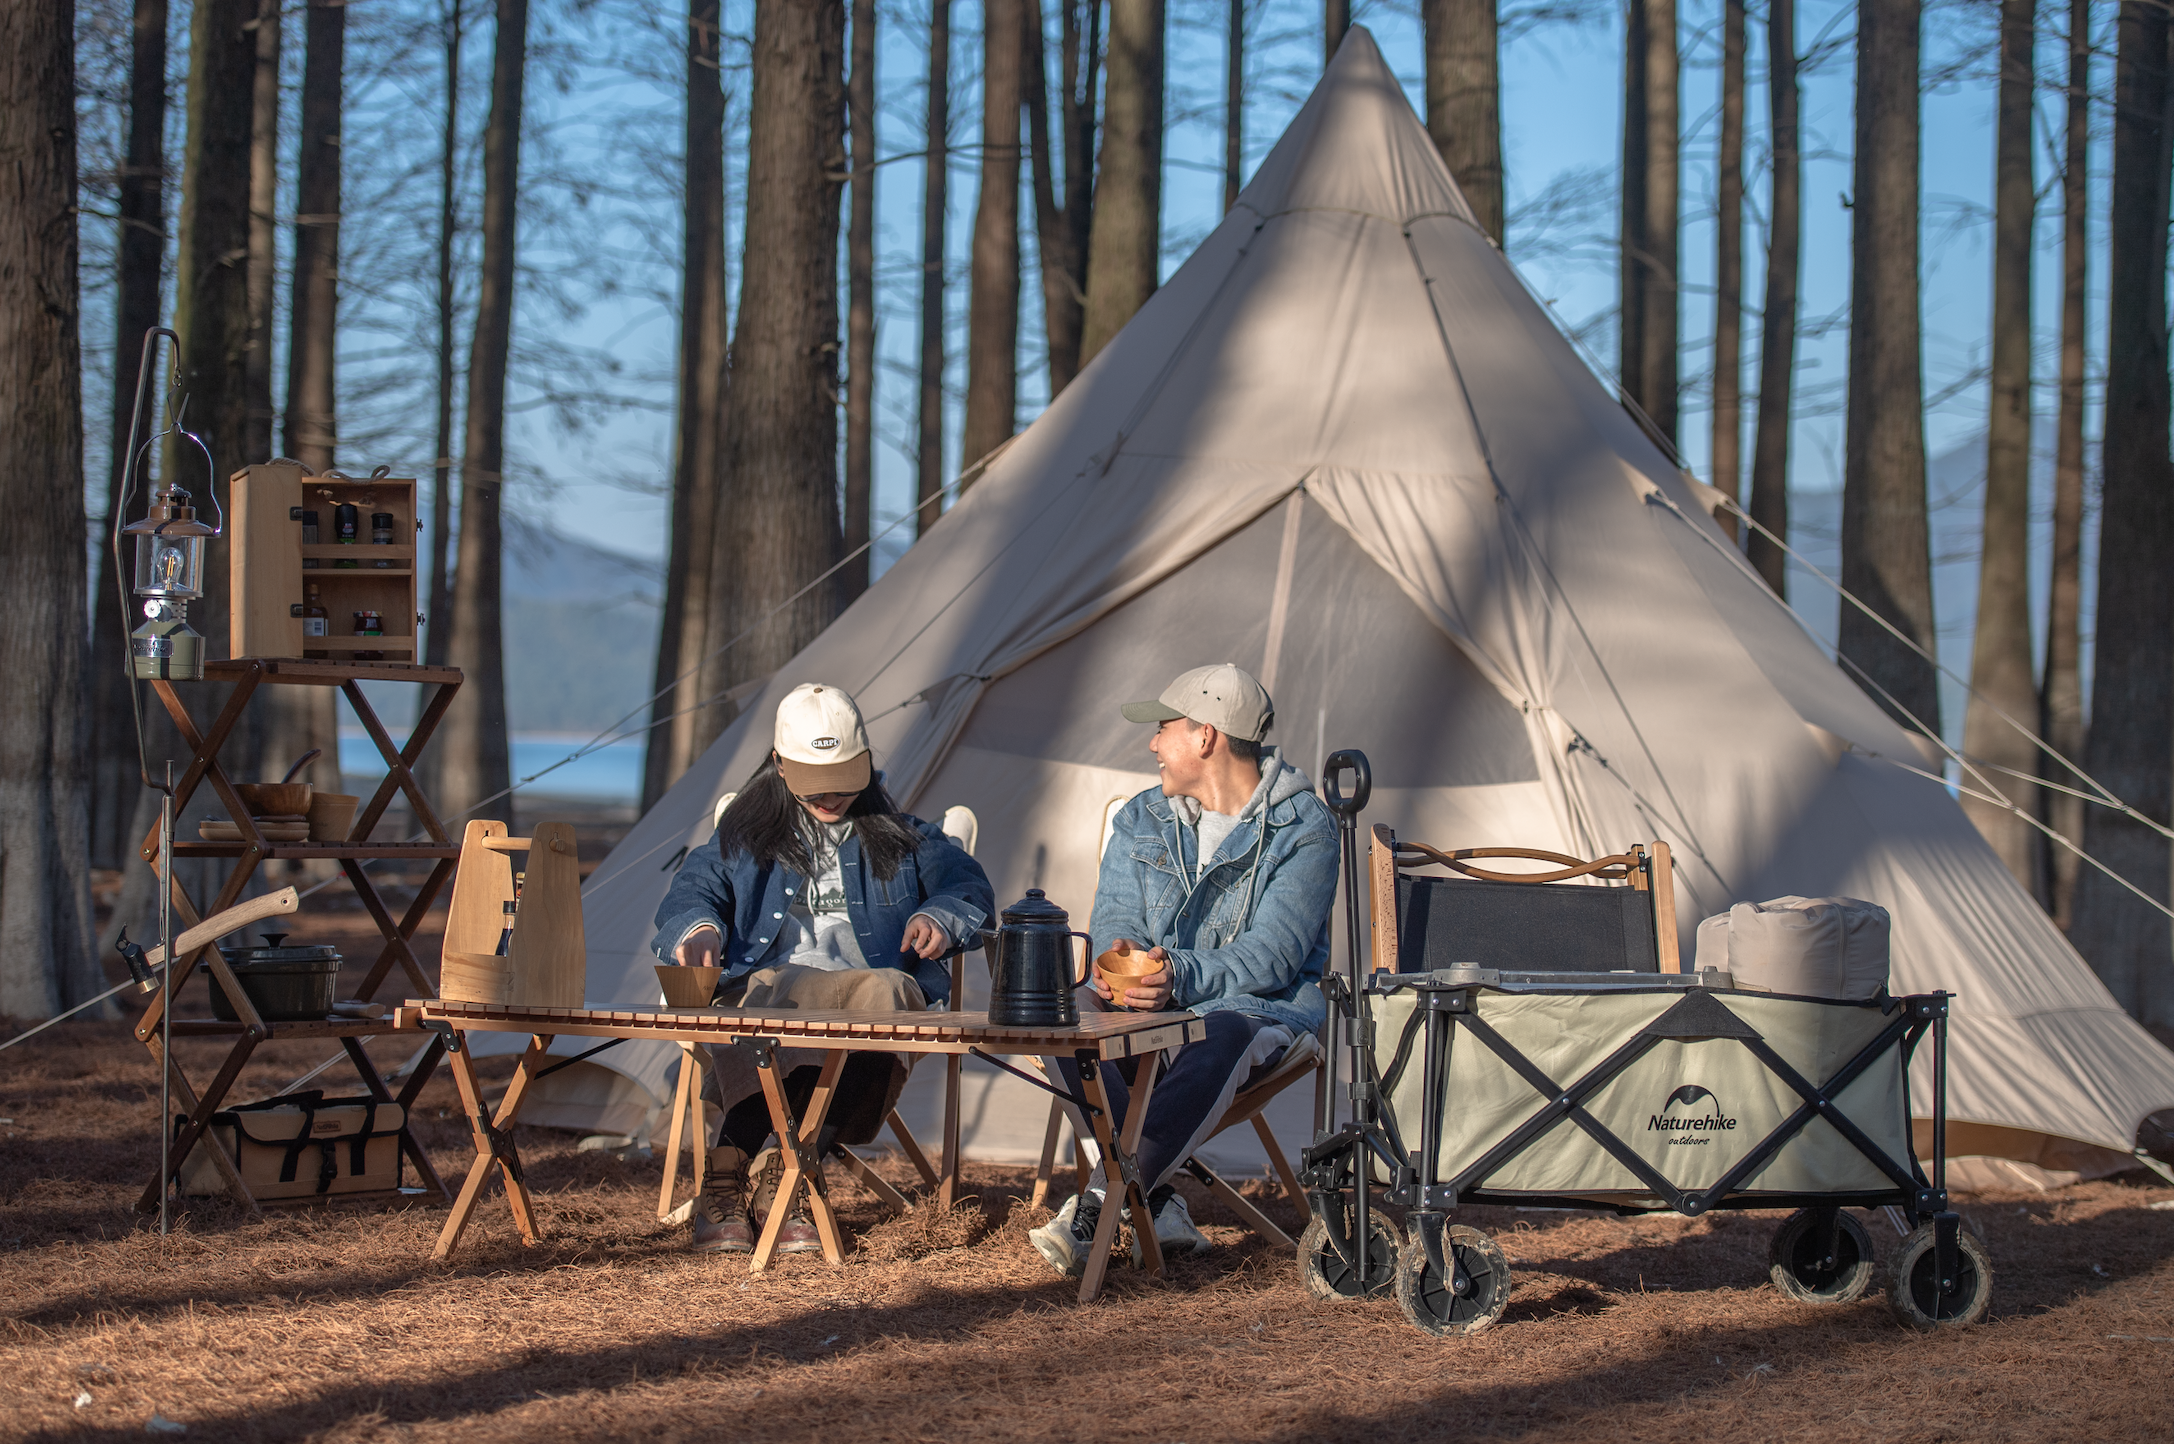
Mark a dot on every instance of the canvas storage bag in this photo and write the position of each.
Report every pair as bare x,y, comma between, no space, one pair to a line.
302,1145
1815,947
1691,1108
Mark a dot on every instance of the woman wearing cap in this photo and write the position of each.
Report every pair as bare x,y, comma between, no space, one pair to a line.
816,892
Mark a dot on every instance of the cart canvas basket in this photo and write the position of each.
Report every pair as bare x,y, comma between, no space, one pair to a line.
1648,1094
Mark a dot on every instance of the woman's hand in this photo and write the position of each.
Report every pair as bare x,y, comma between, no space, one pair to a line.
700,949
924,938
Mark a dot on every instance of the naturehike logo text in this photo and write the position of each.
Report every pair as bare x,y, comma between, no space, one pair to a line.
1689,1128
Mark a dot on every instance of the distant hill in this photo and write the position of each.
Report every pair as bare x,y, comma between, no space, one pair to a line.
581,633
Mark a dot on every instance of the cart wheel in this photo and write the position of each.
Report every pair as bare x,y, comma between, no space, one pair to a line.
1425,1297
1914,1292
1328,1277
1797,1259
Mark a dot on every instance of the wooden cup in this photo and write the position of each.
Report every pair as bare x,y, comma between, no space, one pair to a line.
687,987
331,814
1124,965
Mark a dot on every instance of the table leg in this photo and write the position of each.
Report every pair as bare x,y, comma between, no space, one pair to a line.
802,1168
912,1149
396,935
493,1142
1123,1188
948,1191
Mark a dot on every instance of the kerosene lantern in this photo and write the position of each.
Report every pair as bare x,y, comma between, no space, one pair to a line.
169,576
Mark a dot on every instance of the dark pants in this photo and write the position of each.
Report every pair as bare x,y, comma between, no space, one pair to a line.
864,1095
1191,1094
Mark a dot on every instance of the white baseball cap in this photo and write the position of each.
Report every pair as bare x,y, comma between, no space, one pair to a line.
1225,696
820,742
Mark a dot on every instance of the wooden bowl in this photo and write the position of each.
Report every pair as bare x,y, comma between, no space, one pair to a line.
687,987
331,814
1122,966
285,799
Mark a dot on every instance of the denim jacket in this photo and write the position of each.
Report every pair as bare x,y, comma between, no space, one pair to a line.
746,903
1253,932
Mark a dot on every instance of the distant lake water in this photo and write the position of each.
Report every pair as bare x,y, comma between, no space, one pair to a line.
611,774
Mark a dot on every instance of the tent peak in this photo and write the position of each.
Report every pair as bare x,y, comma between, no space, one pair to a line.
1357,145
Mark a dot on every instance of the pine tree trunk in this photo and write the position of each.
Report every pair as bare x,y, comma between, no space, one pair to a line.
1335,20
1886,551
473,751
312,411
1631,176
860,320
2132,673
211,315
1061,208
2000,658
1658,309
438,629
263,231
1234,106
1728,434
305,717
1125,257
992,331
1464,100
781,434
929,467
46,962
698,478
1778,315
116,779
2060,702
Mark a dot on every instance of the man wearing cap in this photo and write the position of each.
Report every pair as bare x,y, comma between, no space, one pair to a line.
816,892
1225,873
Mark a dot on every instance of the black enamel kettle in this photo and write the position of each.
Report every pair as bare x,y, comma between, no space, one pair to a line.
1031,971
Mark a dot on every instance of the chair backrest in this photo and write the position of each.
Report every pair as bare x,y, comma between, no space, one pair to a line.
1523,922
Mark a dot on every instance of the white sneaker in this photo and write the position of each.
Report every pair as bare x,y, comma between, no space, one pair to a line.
1066,1239
1175,1230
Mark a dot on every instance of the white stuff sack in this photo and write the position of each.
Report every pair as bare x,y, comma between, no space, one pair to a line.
1813,947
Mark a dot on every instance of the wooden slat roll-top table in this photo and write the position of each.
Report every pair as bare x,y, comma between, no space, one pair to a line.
1099,1037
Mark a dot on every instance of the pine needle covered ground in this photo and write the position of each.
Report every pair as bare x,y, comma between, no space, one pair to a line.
334,1324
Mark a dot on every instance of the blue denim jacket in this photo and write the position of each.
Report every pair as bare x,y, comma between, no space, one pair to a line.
1253,932
746,903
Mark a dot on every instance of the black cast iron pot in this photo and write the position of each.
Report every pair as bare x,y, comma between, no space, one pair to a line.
290,985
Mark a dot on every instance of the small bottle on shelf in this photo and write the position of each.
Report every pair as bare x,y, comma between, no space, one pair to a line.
315,622
505,934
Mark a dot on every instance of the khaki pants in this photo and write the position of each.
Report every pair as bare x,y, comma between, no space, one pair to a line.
856,1114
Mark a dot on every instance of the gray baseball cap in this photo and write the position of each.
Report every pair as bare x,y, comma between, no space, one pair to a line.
1225,696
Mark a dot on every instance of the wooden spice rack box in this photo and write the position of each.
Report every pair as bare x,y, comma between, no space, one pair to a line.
273,569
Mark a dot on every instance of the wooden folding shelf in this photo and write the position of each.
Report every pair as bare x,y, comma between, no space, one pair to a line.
247,674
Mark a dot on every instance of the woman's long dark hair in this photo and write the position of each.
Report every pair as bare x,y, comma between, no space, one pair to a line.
768,823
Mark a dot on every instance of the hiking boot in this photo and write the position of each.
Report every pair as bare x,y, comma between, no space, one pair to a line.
797,1234
721,1223
1065,1240
1175,1230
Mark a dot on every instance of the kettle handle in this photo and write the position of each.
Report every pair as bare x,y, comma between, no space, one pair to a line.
1086,959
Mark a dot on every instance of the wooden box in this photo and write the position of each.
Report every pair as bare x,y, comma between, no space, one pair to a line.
271,568
547,965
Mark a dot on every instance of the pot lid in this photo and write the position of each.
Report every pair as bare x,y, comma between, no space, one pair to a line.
1036,910
272,952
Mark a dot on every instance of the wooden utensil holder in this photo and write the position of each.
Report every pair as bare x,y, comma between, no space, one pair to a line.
547,964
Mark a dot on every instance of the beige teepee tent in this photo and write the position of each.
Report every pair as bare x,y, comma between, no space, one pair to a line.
1345,448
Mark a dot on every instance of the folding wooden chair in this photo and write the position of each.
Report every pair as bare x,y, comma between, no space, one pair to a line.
1522,921
1301,1060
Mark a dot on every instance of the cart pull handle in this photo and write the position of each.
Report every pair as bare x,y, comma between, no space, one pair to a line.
1332,791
